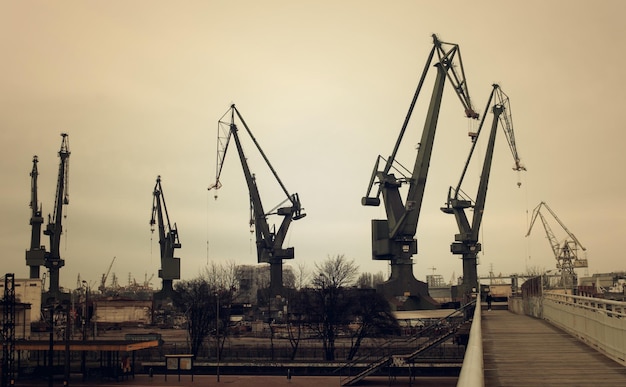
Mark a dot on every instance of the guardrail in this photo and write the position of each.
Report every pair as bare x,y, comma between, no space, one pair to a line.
472,371
598,322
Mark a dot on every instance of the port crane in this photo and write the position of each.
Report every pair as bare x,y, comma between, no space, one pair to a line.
566,251
393,239
105,276
269,242
168,242
54,228
36,255
466,241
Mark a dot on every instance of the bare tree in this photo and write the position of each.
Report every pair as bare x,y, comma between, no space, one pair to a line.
193,298
302,275
222,276
297,319
378,279
289,277
365,281
329,306
335,272
535,271
373,313
199,299
224,280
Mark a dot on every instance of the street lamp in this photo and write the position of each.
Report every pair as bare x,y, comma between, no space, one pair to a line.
51,347
217,333
85,312
83,354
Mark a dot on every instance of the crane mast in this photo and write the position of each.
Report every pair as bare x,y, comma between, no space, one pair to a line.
168,242
466,241
269,242
565,252
35,256
54,229
393,238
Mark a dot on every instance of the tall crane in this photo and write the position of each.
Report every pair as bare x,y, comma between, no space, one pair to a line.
53,261
36,255
565,251
103,281
168,242
269,242
393,239
466,241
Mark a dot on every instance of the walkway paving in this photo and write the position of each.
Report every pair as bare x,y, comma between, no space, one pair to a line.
525,351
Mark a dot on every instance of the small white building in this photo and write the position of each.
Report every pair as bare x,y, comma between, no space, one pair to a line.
121,312
27,305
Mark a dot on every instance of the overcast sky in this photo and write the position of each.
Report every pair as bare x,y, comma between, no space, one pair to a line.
324,86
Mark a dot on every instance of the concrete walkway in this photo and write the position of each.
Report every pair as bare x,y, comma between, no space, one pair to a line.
524,351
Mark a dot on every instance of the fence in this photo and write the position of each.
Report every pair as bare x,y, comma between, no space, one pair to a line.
599,323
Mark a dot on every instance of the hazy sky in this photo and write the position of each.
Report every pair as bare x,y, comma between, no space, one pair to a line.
324,86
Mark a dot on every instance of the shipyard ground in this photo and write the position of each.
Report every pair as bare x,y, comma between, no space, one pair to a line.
256,381
431,375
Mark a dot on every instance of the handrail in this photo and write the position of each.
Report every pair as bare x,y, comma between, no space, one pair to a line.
617,308
600,323
384,353
472,371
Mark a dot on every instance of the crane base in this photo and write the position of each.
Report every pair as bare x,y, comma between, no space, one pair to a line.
404,292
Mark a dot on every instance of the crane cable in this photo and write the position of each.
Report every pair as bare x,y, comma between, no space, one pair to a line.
66,232
207,227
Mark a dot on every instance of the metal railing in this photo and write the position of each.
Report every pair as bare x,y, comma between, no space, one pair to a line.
402,349
472,371
598,322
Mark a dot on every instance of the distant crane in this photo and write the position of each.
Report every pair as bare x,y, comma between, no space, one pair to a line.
566,251
146,280
393,239
466,241
269,241
36,255
53,261
168,242
103,281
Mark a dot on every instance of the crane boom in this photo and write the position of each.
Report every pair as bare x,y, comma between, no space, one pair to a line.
35,256
54,227
569,233
446,54
554,243
168,241
393,238
565,252
466,242
269,242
